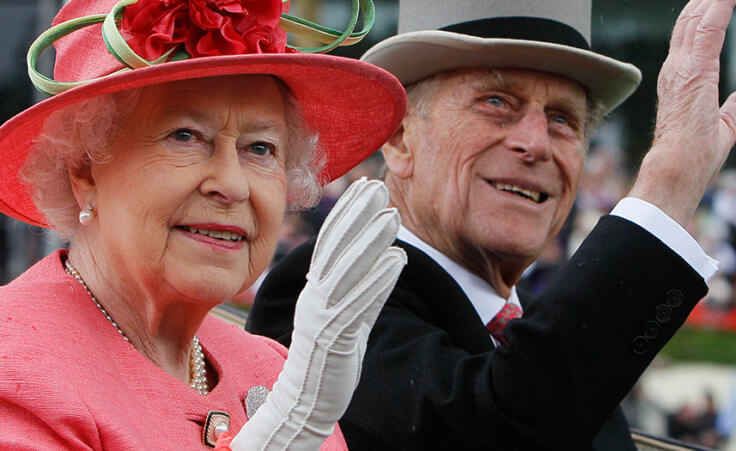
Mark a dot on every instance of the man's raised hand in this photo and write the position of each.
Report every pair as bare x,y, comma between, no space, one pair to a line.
694,134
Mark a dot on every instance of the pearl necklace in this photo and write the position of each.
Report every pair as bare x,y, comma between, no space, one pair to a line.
197,370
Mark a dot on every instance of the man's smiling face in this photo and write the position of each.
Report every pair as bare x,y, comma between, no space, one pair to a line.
496,162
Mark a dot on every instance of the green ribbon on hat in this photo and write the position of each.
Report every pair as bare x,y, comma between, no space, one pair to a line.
117,46
332,38
120,49
48,37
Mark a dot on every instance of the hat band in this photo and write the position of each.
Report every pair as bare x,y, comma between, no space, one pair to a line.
527,28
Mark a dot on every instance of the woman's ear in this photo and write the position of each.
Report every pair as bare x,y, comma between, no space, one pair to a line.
399,150
83,185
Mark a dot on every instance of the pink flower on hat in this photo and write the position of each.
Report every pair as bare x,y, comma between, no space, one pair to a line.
205,27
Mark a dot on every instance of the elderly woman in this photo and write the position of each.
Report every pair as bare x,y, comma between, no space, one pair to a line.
171,180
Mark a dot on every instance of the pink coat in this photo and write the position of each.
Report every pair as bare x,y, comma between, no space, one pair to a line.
68,380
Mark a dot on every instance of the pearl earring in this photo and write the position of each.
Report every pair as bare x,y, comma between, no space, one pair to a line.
85,216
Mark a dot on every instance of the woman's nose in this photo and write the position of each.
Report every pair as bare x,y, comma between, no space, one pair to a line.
226,180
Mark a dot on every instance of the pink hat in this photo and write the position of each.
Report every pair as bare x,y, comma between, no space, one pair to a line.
354,106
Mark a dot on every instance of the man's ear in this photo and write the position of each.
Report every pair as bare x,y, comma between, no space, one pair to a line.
83,185
399,150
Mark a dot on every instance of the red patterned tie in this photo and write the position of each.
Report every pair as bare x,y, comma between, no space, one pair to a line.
499,322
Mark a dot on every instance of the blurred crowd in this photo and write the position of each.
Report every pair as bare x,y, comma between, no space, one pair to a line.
698,422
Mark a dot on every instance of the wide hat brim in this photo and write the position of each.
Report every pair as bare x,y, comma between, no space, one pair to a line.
353,106
419,54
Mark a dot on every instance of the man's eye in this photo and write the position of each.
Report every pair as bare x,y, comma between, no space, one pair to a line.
183,134
560,119
261,148
495,101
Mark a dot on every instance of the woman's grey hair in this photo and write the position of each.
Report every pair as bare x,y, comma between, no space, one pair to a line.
78,135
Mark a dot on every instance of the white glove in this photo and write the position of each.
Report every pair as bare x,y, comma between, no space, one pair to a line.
353,270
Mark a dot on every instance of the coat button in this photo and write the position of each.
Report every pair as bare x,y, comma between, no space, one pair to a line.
674,298
663,313
651,329
641,345
216,424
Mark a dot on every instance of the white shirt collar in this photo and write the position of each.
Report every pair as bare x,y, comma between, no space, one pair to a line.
485,300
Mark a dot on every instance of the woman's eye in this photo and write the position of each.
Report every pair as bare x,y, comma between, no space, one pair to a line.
261,148
495,101
183,134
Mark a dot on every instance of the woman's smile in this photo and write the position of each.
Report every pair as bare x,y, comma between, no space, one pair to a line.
219,237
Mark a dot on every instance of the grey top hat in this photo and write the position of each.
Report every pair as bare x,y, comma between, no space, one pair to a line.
440,35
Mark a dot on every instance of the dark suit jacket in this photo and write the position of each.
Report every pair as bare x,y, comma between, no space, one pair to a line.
432,380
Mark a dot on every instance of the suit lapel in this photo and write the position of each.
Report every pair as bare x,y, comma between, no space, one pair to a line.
524,298
451,308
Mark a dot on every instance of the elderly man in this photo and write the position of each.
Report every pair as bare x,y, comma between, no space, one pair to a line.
503,98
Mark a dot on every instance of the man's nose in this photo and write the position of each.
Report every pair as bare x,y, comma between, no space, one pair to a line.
226,179
529,137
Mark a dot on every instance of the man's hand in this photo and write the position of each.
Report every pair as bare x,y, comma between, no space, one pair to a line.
693,135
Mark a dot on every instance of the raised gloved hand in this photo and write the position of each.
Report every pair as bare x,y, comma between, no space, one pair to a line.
353,270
